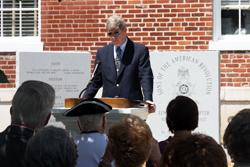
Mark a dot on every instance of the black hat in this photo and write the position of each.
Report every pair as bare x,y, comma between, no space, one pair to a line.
88,106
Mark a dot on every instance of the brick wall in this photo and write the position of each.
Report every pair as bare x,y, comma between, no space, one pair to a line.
8,66
235,68
163,25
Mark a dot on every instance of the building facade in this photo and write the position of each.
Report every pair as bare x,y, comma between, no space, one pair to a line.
161,25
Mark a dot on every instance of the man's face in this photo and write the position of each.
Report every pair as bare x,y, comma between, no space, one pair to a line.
118,36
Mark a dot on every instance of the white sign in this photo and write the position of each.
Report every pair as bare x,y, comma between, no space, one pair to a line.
192,74
67,72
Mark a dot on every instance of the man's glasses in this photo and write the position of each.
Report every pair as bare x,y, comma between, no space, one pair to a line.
115,33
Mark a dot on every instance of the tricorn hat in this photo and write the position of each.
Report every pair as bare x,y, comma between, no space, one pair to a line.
88,106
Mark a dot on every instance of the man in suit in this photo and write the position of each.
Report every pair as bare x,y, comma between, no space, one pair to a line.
124,67
31,109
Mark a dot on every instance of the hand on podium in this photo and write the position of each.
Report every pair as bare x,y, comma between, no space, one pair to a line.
151,106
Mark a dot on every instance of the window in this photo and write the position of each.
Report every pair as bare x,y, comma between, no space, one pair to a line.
20,25
231,25
235,16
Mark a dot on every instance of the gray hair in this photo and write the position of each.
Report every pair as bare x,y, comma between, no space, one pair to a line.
51,147
32,103
91,120
115,22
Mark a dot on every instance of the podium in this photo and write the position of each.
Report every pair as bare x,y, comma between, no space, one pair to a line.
121,107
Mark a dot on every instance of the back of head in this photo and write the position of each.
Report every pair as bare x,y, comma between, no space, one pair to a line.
91,120
129,141
237,137
194,150
51,147
32,103
114,22
182,114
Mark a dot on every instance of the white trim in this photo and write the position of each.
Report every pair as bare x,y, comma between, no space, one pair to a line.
235,94
216,20
234,6
229,45
39,20
13,44
1,20
6,94
21,46
226,42
19,9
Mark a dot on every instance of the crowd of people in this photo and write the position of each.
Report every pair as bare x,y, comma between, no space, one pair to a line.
28,142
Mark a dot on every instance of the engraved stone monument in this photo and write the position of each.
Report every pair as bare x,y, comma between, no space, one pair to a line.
67,72
192,74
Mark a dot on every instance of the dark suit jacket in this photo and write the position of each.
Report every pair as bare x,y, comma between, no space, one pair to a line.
135,71
13,142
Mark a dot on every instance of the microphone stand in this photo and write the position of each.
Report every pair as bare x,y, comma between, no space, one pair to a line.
91,81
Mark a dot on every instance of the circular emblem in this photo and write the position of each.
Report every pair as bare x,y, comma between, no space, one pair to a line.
184,89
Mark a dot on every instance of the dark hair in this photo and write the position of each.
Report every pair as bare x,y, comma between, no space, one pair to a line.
237,137
193,151
182,114
51,147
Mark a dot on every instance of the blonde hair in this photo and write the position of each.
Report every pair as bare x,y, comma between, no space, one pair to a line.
130,141
114,22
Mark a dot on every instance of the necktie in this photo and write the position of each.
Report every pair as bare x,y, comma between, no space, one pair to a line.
118,60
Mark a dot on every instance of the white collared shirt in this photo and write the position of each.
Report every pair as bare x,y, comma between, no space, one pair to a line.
122,48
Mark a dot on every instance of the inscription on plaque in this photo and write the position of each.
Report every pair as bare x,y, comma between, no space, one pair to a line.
67,72
192,74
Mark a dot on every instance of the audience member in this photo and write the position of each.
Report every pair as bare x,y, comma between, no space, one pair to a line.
237,138
129,142
51,147
182,118
92,141
31,109
196,150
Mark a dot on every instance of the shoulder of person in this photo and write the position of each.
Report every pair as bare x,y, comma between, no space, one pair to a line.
138,45
105,47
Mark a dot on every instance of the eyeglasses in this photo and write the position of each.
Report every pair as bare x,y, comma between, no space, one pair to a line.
115,33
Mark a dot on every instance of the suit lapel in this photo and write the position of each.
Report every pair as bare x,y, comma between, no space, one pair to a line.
110,57
127,56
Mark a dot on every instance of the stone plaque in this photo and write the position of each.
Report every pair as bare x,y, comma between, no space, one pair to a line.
192,74
67,72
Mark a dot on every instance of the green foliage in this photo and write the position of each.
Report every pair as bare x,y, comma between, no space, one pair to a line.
59,0
3,77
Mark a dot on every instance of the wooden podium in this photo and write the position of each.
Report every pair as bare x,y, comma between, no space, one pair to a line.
121,107
113,102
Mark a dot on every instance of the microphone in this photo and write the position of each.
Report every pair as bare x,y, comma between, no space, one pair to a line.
98,63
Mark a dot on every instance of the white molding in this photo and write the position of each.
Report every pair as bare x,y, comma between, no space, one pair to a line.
235,94
6,94
229,45
13,44
216,19
225,42
21,46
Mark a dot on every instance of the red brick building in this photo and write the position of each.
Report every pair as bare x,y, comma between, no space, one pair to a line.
162,25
